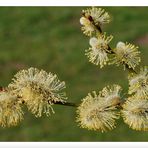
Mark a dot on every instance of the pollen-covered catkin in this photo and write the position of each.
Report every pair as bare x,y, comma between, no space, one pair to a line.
99,112
97,53
91,17
126,53
135,113
39,89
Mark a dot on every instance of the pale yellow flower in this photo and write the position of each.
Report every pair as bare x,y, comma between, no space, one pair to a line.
98,15
92,17
38,89
139,83
135,113
126,53
97,53
10,110
98,112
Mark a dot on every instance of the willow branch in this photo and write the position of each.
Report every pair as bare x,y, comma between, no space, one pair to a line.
110,51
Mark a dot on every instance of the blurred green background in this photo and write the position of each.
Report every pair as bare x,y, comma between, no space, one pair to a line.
50,38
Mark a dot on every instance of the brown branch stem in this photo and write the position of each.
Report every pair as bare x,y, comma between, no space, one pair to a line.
66,104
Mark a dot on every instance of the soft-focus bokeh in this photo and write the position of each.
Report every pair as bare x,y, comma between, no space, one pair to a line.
50,38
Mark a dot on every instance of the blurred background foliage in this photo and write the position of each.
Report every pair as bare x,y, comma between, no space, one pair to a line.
50,38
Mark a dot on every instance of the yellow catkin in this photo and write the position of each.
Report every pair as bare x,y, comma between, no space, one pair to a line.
97,15
97,53
126,53
135,113
38,89
98,112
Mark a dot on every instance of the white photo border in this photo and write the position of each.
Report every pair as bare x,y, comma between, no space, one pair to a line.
73,3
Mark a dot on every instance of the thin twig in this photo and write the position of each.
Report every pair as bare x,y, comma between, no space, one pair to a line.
66,103
59,103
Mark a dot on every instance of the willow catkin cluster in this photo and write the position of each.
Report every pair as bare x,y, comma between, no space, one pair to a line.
37,89
123,54
93,112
